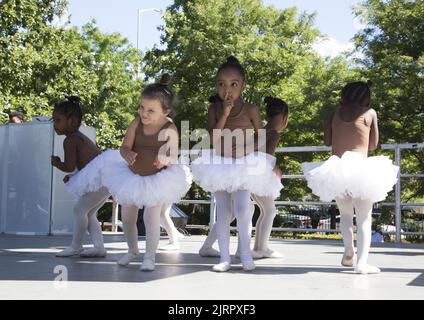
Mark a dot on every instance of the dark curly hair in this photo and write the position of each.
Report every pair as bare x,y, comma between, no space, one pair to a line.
70,107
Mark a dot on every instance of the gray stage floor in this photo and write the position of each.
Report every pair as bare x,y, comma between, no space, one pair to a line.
310,270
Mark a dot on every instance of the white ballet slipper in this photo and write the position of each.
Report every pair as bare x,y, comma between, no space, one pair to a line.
209,252
147,265
93,253
366,269
222,267
348,260
170,247
267,253
127,258
248,265
69,252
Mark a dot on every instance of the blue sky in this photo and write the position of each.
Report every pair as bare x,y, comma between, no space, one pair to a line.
334,19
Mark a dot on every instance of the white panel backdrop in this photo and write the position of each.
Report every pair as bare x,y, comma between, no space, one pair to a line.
33,198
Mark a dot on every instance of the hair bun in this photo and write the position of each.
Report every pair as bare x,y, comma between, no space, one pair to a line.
74,99
369,83
232,60
268,100
165,80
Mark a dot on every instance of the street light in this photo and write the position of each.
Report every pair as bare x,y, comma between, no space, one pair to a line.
139,11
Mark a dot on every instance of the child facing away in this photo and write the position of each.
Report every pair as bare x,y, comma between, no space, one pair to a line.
349,176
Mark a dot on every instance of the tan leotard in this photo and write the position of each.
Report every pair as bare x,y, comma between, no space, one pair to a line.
350,136
239,118
147,149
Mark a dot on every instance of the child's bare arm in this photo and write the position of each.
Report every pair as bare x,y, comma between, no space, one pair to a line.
374,134
168,153
255,117
328,131
70,147
128,143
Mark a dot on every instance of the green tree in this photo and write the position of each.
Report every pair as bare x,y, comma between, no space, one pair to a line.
200,35
275,46
42,63
393,48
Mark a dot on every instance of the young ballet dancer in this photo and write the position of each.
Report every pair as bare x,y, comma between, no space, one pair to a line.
277,119
232,170
145,172
277,113
349,176
81,154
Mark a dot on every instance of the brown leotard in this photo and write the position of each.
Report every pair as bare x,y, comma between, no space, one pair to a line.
147,149
350,136
239,118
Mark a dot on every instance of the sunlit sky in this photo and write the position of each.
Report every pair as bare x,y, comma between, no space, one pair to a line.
334,19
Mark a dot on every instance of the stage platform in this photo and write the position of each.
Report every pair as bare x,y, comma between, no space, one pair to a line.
310,270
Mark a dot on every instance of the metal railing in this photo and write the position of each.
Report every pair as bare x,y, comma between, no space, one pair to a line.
397,204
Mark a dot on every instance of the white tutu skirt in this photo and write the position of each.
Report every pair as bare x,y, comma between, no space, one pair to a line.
351,175
253,173
89,179
128,188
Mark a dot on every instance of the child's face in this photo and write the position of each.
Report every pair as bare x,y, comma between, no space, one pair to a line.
151,111
229,84
15,120
62,125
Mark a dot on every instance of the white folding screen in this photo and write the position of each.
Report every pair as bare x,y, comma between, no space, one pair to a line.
27,173
33,197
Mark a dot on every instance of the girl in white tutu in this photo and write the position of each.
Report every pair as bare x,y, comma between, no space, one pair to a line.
277,119
349,176
232,170
81,154
145,172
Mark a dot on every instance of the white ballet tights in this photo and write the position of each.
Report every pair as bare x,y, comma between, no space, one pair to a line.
264,223
362,208
85,218
239,203
263,230
167,223
129,215
152,217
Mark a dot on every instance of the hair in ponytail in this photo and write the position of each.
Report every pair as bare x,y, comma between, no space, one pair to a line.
274,107
357,94
161,92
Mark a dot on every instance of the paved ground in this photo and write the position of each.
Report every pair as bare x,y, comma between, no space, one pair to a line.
310,270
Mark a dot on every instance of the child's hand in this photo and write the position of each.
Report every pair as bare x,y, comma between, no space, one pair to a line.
130,157
55,161
159,164
228,105
66,178
278,172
